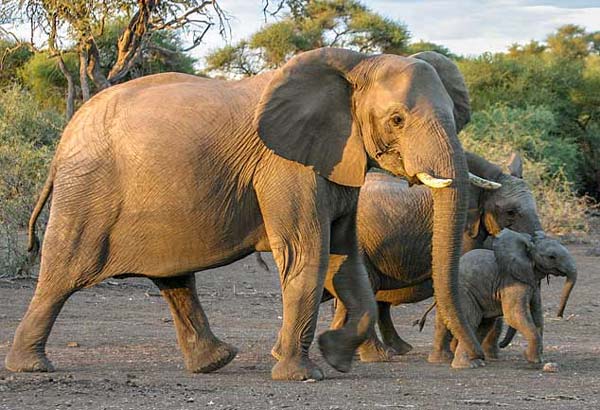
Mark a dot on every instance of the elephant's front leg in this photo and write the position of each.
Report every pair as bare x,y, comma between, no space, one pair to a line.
442,337
348,281
202,351
489,332
461,359
297,224
517,314
537,313
302,277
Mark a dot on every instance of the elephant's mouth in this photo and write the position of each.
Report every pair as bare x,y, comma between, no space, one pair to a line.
391,161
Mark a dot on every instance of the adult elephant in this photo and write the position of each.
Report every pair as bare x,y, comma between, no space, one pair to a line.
172,174
395,235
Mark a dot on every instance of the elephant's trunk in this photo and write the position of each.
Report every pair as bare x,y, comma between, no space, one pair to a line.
449,219
566,292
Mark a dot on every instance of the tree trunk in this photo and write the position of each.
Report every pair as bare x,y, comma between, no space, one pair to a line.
130,42
83,81
94,71
70,88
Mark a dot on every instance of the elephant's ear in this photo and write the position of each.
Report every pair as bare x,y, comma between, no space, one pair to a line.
515,165
473,222
305,115
513,253
453,82
474,212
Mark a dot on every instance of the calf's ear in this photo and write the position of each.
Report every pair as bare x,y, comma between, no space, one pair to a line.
513,253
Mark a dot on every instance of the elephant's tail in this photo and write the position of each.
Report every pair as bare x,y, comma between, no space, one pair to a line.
423,319
34,243
508,337
261,262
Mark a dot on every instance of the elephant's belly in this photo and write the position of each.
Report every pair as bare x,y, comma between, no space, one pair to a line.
411,294
185,239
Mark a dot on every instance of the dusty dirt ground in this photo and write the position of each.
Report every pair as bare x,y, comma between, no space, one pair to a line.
127,357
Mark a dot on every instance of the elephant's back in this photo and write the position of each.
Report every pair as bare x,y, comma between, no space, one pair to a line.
157,106
395,226
477,267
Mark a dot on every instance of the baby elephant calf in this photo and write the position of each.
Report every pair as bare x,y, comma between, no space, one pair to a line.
506,282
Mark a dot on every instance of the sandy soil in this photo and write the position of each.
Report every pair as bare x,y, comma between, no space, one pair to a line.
127,358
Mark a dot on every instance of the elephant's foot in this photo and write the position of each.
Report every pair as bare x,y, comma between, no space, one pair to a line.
296,369
533,356
372,350
491,352
440,356
399,346
209,359
336,350
27,361
462,361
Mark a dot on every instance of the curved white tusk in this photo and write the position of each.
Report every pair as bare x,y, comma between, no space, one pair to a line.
483,183
432,182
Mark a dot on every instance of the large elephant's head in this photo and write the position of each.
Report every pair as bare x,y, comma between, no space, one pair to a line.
339,111
511,205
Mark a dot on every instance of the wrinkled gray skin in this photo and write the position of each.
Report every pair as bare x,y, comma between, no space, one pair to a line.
395,231
172,174
505,282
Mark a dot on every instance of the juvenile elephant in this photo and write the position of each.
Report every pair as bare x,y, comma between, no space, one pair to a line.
395,233
505,282
171,174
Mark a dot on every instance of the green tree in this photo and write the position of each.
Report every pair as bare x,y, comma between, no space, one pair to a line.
561,77
531,48
41,73
48,85
421,45
570,41
75,26
12,58
318,23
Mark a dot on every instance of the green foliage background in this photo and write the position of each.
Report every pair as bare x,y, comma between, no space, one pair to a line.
28,136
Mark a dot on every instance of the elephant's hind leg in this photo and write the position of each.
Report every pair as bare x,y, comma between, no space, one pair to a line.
390,337
202,351
27,353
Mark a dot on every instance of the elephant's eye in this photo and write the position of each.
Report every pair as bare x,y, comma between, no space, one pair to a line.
511,212
397,121
552,257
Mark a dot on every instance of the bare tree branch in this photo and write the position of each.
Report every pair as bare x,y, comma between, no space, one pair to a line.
93,66
70,110
130,40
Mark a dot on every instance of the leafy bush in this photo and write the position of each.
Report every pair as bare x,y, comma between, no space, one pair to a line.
528,130
548,162
568,88
43,78
28,135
